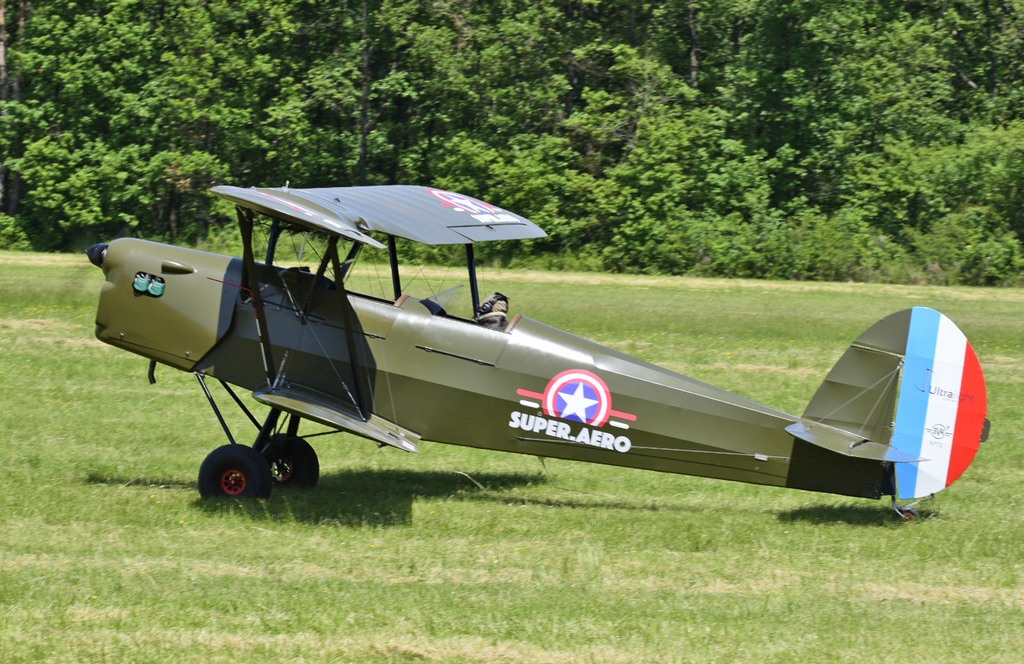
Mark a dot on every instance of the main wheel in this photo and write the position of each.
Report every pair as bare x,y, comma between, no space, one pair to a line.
292,461
235,471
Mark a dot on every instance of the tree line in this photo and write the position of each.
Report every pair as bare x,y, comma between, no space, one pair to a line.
794,139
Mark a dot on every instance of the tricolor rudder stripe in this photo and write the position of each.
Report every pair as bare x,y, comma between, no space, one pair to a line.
942,405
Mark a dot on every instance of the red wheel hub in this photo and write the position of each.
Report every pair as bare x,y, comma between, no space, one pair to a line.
233,482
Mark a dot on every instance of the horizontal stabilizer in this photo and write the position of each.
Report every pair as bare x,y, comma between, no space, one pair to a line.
843,442
312,406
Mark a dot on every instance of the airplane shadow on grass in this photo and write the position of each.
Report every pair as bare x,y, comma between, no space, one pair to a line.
851,515
367,497
386,497
350,498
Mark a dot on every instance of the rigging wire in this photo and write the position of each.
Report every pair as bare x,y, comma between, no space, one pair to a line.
292,303
890,378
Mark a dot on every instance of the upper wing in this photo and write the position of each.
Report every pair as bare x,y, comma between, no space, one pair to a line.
422,214
284,204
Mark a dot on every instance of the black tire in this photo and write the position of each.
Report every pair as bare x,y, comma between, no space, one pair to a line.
234,471
292,461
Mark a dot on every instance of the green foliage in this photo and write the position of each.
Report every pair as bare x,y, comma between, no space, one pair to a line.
11,236
985,169
973,247
719,138
846,247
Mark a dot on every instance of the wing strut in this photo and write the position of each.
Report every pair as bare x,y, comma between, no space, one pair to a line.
353,253
396,280
349,323
308,304
474,289
275,233
245,224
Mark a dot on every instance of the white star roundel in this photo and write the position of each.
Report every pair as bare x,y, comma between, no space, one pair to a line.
579,396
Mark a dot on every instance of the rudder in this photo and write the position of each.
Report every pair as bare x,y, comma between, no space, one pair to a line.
942,405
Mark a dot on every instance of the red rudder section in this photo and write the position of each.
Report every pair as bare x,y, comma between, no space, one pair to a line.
970,418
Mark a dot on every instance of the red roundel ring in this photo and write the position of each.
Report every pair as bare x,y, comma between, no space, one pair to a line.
578,395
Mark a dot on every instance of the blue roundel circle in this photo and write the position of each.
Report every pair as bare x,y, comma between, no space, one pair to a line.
578,395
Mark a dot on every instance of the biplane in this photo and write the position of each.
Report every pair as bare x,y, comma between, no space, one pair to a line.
901,414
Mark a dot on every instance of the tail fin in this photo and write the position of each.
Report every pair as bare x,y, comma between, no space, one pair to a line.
918,364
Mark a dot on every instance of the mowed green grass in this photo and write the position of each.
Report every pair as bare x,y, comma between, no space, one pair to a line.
460,555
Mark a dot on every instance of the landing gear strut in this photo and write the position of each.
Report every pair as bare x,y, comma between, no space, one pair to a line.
237,471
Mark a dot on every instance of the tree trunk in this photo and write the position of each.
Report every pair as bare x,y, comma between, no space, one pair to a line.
173,209
364,103
3,86
694,62
10,91
3,50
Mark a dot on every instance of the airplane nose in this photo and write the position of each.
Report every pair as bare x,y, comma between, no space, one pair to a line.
96,254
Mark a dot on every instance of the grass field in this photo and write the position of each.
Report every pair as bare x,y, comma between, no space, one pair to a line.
460,555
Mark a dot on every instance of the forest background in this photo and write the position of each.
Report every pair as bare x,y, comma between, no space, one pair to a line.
803,139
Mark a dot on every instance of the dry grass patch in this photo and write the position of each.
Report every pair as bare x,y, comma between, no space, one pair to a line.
31,259
942,593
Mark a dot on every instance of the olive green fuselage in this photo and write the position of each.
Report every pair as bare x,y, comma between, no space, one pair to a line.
530,389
